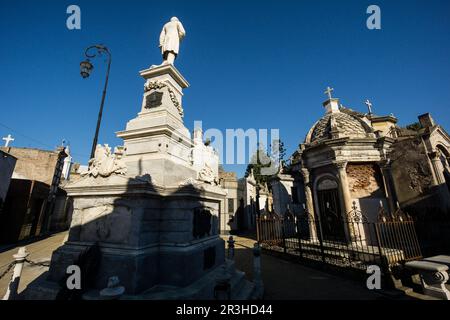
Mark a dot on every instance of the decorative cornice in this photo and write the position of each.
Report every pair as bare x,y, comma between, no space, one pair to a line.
169,69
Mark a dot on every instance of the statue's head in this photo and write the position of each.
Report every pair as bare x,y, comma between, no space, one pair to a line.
174,19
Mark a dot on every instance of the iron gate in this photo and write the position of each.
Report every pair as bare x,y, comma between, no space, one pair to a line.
388,241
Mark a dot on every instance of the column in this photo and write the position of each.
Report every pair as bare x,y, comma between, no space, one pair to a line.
309,203
343,185
437,167
257,279
354,228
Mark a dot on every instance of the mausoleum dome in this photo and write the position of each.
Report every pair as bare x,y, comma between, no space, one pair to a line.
338,125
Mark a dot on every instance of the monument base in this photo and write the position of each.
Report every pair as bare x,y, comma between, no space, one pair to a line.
202,289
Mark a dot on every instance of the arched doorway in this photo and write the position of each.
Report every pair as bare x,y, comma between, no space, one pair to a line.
444,157
331,224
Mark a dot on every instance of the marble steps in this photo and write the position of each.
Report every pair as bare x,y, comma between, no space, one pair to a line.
238,283
241,288
246,292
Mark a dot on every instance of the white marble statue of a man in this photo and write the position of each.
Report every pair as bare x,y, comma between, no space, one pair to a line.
169,40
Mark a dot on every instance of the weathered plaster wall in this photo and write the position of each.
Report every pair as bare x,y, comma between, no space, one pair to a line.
365,181
411,171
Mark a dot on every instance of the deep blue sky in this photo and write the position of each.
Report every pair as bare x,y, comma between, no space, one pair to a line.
251,64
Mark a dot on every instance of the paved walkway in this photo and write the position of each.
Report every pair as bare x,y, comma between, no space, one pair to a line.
284,280
40,251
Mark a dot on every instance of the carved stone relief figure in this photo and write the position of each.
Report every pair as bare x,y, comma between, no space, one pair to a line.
105,163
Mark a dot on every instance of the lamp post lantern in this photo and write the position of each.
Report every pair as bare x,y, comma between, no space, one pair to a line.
86,68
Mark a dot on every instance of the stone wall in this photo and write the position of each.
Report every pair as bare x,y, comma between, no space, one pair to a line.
34,164
411,171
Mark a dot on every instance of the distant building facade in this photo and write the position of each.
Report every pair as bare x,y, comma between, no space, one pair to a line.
229,182
31,205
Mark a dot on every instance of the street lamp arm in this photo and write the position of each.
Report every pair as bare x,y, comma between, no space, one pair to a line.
99,50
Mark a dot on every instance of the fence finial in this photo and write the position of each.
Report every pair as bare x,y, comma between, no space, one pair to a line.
231,248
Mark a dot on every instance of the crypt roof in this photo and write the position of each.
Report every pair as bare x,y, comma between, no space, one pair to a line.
339,124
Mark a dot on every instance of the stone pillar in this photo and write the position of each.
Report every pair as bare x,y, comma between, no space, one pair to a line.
309,203
19,257
437,167
257,279
391,195
354,228
222,290
231,248
343,185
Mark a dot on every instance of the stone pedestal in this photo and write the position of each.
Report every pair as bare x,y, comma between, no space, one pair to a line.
155,223
433,277
156,142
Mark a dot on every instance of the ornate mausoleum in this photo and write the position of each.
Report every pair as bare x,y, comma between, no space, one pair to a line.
352,161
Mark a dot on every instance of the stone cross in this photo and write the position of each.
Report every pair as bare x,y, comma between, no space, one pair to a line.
328,92
8,139
369,105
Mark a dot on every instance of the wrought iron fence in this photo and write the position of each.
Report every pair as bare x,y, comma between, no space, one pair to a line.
389,240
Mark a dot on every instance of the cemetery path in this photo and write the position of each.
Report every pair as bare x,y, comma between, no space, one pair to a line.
39,251
285,280
282,279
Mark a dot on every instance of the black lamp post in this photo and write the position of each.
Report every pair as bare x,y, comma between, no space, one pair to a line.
86,68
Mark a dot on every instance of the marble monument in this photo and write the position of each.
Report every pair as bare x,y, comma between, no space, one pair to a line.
152,205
